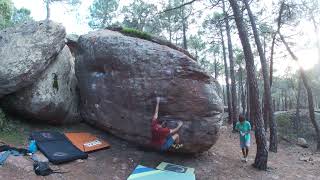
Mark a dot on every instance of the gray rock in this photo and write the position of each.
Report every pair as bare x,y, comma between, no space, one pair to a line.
120,77
302,142
39,157
72,42
53,98
19,162
26,51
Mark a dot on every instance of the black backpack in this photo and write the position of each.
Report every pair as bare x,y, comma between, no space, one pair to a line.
43,169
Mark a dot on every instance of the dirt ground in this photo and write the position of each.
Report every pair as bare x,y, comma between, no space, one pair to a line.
222,161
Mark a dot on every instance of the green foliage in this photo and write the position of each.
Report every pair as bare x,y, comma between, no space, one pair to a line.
102,12
171,21
11,131
283,120
6,9
20,16
196,43
136,33
141,16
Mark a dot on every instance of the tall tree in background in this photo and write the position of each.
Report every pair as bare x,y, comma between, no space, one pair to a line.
309,92
183,15
241,94
216,23
184,21
6,10
268,111
261,159
196,45
235,112
285,13
49,2
169,20
215,49
226,70
102,12
141,16
296,123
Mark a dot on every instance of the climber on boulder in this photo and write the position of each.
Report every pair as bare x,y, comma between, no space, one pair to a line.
162,136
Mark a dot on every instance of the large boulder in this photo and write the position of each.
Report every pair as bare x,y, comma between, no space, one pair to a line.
53,98
26,51
119,78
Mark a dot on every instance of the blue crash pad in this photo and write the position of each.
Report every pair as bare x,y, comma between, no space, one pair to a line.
145,173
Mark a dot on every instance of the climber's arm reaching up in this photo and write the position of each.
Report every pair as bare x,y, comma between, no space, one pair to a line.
155,116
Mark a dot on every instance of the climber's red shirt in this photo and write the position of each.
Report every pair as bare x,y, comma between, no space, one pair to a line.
159,134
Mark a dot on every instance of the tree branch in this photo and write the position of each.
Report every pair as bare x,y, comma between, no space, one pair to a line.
180,6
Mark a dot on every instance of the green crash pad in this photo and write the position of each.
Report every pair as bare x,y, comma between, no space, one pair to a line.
175,168
145,173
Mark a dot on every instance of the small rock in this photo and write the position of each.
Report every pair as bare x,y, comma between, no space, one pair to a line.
302,142
124,166
114,160
275,177
223,128
306,159
80,160
116,178
92,158
124,147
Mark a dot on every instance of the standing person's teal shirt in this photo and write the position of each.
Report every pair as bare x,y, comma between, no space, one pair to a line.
244,127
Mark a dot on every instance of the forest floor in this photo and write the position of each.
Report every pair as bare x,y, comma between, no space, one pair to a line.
222,161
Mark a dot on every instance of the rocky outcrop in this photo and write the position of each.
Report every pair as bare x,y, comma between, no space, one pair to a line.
151,38
119,78
26,51
53,98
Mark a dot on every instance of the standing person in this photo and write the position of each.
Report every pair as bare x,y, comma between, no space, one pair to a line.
244,128
162,137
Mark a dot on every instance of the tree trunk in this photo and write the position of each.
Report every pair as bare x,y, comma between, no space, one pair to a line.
170,33
48,9
309,93
184,29
271,57
261,159
243,100
267,113
296,124
215,67
264,113
274,105
227,77
248,102
232,76
239,93
285,101
224,96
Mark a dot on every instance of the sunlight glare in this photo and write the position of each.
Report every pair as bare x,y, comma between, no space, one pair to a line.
308,58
